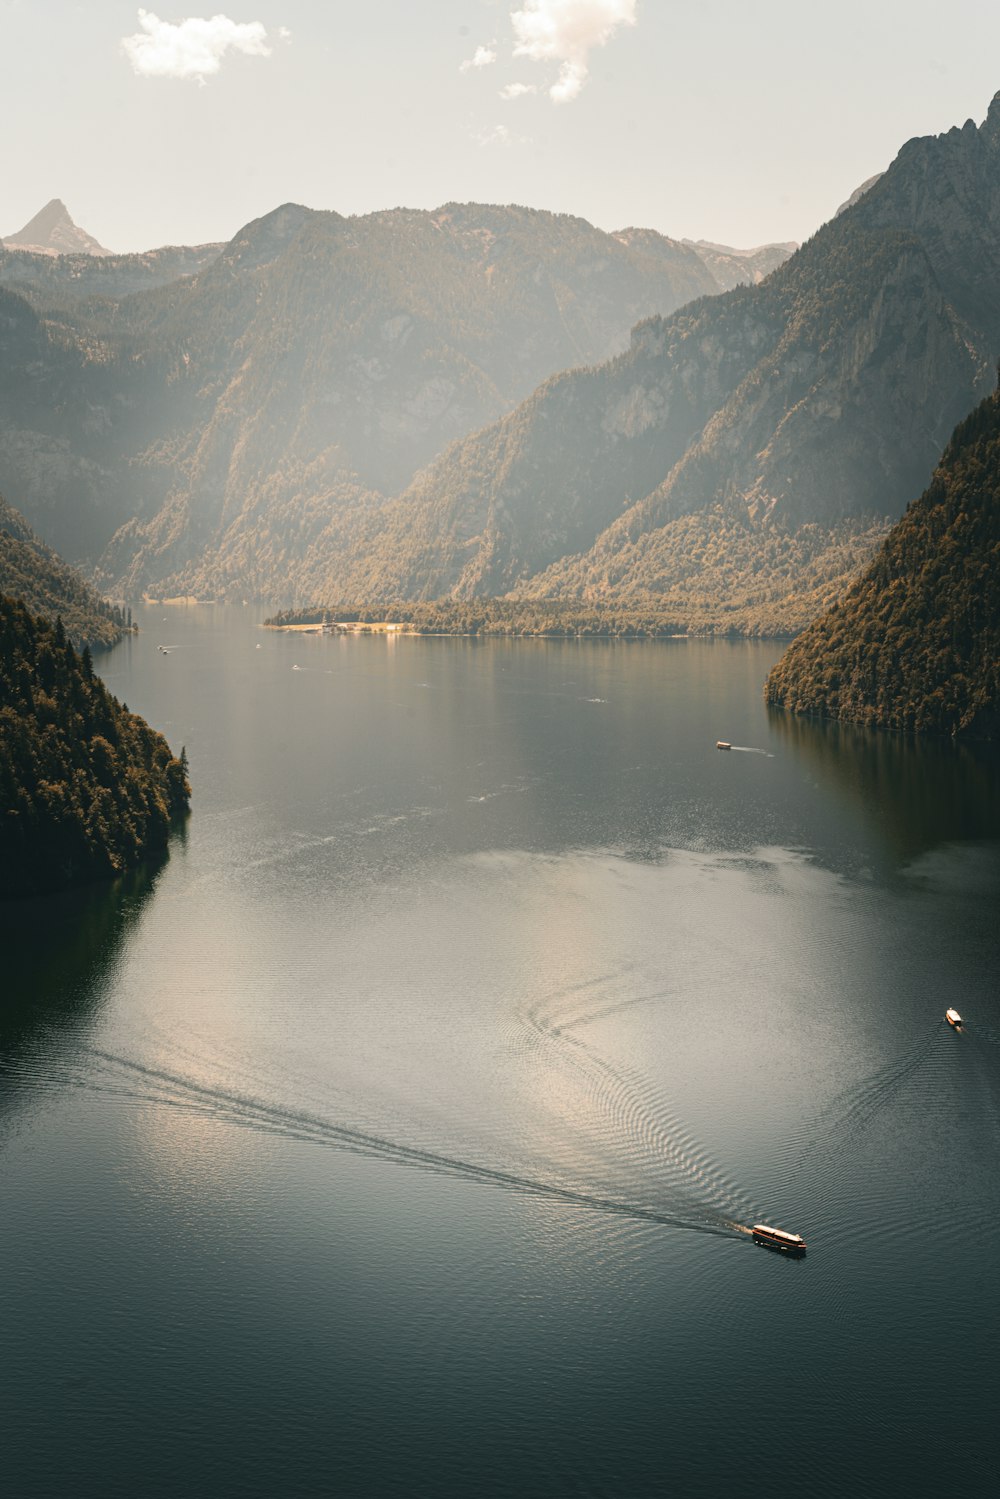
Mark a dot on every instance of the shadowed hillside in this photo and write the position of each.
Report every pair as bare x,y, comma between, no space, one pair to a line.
87,789
31,572
915,643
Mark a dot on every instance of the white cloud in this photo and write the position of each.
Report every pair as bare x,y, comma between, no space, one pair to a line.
481,58
517,90
192,48
565,31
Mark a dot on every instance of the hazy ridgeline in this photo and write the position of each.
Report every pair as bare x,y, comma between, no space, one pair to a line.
311,361
326,409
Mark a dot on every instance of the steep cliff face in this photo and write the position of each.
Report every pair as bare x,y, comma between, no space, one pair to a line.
915,643
820,397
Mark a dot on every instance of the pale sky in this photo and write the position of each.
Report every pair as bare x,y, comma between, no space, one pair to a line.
727,120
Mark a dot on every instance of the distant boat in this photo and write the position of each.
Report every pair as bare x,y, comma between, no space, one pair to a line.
777,1238
953,1018
723,744
296,667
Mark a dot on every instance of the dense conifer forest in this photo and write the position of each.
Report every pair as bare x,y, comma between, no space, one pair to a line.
31,571
87,789
915,643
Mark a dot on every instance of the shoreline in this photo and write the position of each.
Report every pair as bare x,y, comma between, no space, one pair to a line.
396,629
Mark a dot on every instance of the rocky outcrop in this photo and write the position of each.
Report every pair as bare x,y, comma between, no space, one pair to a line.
858,193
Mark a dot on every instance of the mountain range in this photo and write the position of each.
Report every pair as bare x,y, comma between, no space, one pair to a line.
312,360
777,424
421,405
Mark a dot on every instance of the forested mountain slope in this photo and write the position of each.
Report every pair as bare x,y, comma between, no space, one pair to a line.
31,572
71,279
314,359
820,397
87,789
915,643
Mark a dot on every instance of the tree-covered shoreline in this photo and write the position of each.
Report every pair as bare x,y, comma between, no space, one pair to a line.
915,643
34,573
87,789
516,617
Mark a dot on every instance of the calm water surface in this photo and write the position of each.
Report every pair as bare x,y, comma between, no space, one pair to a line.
398,1134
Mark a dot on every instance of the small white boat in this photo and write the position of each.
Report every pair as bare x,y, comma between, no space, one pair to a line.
953,1018
777,1238
723,744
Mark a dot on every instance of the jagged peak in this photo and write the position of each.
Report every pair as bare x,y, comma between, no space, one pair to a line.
990,129
53,230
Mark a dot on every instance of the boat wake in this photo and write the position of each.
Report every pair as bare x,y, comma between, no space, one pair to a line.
858,1106
122,1078
637,1137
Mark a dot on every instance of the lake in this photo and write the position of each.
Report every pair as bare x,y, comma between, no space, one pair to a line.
399,1133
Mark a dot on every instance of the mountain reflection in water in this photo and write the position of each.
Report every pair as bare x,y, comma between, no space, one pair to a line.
916,793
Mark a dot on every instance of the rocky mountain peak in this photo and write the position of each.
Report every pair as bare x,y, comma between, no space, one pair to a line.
53,232
990,129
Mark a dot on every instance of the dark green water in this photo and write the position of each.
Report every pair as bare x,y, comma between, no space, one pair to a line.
395,1136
